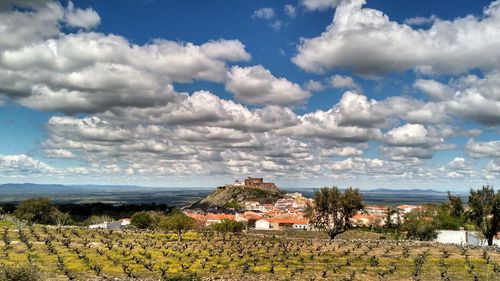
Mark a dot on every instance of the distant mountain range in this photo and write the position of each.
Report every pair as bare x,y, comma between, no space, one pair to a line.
181,196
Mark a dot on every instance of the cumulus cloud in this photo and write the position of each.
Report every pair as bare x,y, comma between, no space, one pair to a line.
314,86
470,97
366,41
483,149
407,135
257,85
265,13
24,28
319,5
342,151
22,165
344,82
325,125
86,19
92,72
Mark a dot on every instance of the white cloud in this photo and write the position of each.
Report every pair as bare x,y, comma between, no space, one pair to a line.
314,86
366,41
265,13
290,10
434,89
258,85
20,29
276,25
407,135
86,19
91,72
60,153
416,21
319,5
469,97
342,151
483,149
22,165
344,82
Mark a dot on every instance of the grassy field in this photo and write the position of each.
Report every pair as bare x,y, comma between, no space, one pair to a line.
81,254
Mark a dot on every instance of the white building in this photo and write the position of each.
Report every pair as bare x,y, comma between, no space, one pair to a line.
262,224
119,224
462,237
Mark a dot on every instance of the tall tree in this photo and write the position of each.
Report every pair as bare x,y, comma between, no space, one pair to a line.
419,224
456,206
388,218
484,206
177,222
332,209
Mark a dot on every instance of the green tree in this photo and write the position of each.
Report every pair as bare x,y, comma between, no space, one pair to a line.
456,205
445,218
61,218
388,218
419,225
484,206
141,220
36,210
228,226
332,210
177,222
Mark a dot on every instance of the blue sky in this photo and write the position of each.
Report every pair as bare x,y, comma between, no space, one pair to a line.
307,93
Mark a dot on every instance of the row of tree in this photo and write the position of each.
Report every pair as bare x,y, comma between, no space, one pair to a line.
179,223
333,209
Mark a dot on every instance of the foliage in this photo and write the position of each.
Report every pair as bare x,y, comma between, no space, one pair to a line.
232,205
332,209
388,219
419,225
20,273
445,218
456,205
484,206
36,210
177,222
146,219
228,226
61,218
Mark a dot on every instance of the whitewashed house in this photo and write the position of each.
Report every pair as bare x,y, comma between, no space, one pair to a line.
262,224
463,237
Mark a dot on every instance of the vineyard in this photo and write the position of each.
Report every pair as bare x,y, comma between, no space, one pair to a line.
81,254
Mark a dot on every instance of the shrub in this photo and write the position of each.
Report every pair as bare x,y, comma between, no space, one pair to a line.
20,273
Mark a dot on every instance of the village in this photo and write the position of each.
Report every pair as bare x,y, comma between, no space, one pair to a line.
288,213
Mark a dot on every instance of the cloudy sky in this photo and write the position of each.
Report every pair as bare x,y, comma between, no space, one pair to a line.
307,93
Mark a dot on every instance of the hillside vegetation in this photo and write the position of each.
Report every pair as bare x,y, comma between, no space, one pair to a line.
236,195
82,254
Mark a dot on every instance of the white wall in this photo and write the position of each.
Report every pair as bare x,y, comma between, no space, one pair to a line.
262,225
452,236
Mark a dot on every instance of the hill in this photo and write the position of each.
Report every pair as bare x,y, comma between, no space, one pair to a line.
225,196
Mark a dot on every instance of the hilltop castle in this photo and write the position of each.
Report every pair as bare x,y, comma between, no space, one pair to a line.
254,183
